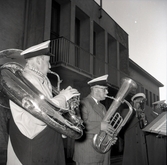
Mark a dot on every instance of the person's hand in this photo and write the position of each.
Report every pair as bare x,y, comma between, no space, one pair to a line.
69,92
107,128
114,140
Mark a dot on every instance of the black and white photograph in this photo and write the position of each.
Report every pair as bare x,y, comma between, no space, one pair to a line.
83,82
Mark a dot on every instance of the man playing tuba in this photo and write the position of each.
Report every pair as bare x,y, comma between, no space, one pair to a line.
31,141
92,113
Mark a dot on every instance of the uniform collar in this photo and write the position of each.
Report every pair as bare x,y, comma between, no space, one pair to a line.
95,100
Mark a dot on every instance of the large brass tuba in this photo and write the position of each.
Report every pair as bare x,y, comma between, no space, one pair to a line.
102,141
25,94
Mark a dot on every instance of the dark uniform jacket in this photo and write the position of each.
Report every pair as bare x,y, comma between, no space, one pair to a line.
135,147
45,149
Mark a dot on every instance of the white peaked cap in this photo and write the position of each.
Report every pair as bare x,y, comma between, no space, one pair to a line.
37,50
159,102
138,95
102,80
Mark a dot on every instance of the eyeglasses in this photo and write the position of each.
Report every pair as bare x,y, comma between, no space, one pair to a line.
104,88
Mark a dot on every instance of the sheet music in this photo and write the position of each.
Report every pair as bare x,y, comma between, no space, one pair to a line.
158,125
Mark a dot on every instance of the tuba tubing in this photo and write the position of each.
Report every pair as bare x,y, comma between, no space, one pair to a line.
57,89
102,141
23,93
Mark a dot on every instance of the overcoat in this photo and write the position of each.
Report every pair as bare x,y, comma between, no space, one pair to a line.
143,148
92,114
135,147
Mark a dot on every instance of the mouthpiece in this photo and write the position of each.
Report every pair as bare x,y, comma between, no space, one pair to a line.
109,97
58,79
49,71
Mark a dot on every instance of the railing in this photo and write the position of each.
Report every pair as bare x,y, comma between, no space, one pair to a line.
72,55
69,53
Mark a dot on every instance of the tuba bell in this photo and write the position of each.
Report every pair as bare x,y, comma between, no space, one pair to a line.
102,141
22,92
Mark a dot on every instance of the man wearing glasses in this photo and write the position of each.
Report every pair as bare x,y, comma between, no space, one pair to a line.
92,113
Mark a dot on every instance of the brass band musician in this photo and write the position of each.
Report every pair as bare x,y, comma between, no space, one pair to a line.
92,113
135,146
31,141
159,107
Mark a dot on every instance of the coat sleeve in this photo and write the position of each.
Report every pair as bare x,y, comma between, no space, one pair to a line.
59,100
29,125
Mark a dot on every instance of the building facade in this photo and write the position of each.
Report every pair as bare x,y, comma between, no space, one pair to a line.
86,43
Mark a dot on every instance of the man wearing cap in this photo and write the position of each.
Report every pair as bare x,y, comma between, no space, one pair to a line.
31,141
92,113
135,144
138,101
159,107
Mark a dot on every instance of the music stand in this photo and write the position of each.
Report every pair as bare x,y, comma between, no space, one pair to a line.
158,125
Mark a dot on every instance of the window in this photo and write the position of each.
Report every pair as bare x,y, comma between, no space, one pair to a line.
77,41
77,31
94,52
142,89
55,20
146,92
150,99
154,98
98,49
94,43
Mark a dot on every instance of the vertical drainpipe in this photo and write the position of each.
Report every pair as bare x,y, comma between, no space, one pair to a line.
100,9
